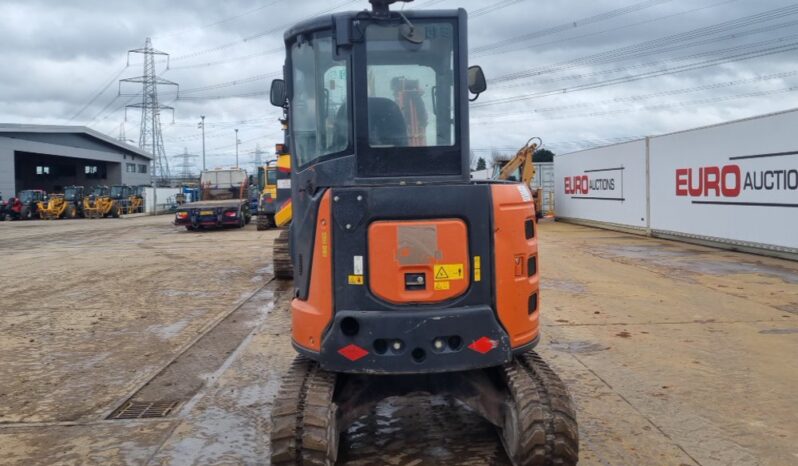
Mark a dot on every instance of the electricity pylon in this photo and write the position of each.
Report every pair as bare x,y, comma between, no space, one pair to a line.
150,135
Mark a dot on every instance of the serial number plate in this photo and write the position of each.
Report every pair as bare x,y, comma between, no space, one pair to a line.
206,212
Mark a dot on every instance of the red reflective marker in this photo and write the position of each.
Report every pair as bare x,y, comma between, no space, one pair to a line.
352,352
483,345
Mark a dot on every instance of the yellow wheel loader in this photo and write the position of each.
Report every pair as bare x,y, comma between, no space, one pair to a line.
66,205
99,204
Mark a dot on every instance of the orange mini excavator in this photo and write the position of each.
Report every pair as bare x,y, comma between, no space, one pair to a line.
408,275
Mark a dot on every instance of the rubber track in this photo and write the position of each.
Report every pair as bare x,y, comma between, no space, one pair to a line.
548,430
303,417
283,268
262,223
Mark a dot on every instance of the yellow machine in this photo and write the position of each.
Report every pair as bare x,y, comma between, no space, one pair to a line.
281,259
283,215
53,208
267,196
135,202
66,205
521,167
99,203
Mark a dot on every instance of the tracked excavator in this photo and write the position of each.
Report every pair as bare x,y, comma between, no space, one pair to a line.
408,275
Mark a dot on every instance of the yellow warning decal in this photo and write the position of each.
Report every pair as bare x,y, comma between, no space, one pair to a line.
440,286
356,279
448,272
477,269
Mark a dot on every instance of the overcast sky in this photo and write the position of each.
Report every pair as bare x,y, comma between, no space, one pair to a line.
574,72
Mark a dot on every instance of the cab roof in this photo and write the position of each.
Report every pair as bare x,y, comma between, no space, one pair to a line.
328,21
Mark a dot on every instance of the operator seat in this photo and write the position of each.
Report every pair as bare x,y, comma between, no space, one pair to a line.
387,125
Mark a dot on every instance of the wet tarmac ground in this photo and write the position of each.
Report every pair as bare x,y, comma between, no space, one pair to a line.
674,354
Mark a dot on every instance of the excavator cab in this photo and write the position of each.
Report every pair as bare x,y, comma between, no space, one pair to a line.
408,276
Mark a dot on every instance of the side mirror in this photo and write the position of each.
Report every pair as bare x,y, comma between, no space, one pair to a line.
476,81
277,95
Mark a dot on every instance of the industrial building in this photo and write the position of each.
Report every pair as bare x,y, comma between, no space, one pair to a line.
50,157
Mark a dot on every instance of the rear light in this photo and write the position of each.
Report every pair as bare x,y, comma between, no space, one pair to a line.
230,213
529,229
533,304
531,266
269,200
182,215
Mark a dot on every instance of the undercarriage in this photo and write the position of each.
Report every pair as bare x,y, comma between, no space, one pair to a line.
524,399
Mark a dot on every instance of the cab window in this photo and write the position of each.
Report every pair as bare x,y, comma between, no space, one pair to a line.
320,119
410,86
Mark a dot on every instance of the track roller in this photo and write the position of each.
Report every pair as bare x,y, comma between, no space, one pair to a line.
539,427
281,257
304,417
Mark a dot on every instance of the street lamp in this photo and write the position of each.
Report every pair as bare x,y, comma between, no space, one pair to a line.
237,142
202,125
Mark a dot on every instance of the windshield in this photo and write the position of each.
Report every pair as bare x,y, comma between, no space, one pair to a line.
271,176
70,194
117,192
320,119
410,86
26,196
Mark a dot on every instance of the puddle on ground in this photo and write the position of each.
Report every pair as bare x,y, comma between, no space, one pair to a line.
645,251
190,293
577,346
167,332
779,331
715,267
792,308
697,261
571,286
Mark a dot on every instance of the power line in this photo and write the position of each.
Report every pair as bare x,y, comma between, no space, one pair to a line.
690,103
99,93
656,73
635,50
258,35
497,6
481,50
229,60
641,97
216,23
713,52
476,13
244,95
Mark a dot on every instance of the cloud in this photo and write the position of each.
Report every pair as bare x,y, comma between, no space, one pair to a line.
58,55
